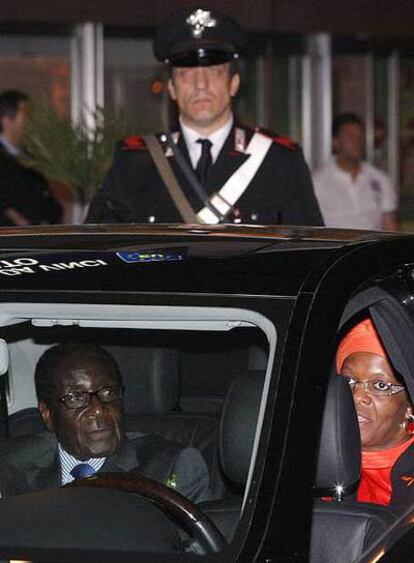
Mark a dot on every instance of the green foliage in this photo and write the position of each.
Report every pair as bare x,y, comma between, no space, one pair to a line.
75,155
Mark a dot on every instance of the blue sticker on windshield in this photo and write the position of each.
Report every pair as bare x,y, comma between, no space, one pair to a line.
149,256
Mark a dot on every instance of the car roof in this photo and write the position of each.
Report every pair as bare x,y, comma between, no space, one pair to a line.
200,259
39,235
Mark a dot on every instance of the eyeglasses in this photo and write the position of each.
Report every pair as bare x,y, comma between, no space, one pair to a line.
81,399
377,388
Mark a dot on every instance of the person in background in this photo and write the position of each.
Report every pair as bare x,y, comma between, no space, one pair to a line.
225,170
385,416
351,192
25,198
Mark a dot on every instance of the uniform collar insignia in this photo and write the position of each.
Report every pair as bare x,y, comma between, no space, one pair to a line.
199,20
239,139
168,152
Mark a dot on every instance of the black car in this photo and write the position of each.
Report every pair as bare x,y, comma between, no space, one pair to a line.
226,338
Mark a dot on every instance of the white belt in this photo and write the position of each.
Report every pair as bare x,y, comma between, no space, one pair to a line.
236,185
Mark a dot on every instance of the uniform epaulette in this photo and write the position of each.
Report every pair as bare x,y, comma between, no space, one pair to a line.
133,143
286,142
280,140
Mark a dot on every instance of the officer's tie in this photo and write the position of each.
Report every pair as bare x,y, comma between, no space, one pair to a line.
82,470
205,161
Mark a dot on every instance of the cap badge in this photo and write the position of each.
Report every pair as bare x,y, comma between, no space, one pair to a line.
199,20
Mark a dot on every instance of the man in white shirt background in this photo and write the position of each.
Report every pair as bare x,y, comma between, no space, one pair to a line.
351,192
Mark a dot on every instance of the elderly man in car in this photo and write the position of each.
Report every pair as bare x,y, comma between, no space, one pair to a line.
79,390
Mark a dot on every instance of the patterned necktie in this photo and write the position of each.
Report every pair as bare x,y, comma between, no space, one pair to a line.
82,470
205,160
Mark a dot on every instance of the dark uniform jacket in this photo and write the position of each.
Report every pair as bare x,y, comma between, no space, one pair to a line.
281,191
31,463
26,191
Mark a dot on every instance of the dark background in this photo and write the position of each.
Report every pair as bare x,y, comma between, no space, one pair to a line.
375,17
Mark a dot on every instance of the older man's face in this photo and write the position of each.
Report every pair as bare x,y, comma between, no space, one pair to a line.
203,95
95,430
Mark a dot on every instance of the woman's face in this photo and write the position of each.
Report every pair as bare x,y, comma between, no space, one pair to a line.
381,419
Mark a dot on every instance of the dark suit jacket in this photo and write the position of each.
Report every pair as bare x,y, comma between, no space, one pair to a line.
26,191
281,192
31,463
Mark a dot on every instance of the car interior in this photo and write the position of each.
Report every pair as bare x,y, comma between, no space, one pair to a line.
199,376
192,376
343,529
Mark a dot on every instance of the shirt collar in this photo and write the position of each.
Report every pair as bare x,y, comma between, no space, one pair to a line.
9,147
68,462
361,171
217,139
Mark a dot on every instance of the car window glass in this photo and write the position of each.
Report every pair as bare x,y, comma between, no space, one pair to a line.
201,389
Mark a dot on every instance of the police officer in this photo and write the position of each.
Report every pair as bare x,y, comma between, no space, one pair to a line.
211,168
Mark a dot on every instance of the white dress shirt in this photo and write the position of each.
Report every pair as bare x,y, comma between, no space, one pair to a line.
8,147
355,203
216,139
68,462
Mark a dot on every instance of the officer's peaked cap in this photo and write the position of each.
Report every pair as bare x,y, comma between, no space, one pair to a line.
198,37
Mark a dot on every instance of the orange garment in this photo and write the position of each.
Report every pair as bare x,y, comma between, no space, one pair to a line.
363,337
375,484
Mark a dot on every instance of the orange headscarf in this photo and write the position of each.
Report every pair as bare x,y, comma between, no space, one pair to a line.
361,338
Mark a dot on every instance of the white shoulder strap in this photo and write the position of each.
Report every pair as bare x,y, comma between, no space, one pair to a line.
237,184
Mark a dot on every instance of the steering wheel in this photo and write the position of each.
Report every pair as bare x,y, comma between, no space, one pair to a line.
206,538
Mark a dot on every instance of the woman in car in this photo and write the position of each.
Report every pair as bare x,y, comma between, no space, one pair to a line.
385,415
